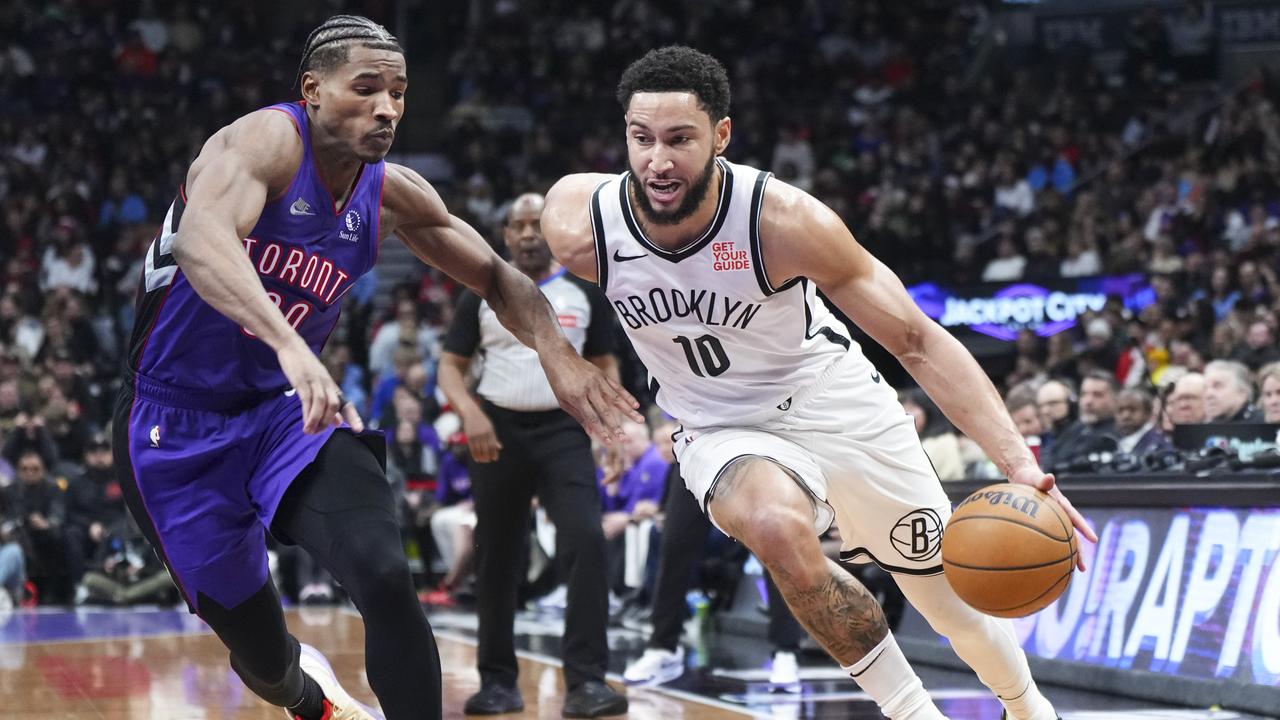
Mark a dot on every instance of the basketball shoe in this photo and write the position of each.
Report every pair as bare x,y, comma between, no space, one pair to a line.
338,703
655,667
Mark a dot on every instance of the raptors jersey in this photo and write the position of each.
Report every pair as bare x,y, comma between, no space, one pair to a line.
722,346
307,252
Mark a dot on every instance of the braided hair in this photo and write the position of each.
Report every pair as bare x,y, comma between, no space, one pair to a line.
327,45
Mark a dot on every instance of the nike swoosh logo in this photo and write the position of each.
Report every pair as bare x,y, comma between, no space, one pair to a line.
620,258
300,207
875,376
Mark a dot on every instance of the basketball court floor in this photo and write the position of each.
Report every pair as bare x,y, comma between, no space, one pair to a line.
164,664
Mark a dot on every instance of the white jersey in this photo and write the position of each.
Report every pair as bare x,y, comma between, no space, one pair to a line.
722,346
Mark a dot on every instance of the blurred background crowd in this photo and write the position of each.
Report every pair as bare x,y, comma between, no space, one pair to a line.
954,153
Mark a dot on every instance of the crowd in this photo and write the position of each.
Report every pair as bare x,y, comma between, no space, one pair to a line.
950,153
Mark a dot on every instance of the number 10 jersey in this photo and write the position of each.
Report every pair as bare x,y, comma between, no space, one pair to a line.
723,347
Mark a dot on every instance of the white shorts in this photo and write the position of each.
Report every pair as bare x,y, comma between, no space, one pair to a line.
857,453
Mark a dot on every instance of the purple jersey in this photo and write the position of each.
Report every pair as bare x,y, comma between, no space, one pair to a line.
307,253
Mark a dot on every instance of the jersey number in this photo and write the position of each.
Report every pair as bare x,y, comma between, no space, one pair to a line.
296,313
711,352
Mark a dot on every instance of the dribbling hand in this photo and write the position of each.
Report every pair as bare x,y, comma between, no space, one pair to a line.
322,401
1045,482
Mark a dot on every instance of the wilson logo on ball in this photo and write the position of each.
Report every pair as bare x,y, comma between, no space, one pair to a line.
917,534
1022,504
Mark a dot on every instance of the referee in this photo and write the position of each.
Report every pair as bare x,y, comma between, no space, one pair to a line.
522,444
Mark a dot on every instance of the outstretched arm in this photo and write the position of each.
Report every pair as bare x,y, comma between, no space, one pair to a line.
227,187
418,216
819,246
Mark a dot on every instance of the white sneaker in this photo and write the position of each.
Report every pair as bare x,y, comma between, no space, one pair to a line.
557,599
655,667
344,707
785,673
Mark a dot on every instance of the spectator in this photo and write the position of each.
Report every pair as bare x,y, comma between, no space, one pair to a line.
38,506
1259,346
351,377
1269,382
409,331
1021,404
1228,392
1135,424
1099,351
127,571
1098,399
936,434
1257,284
1013,193
453,523
1072,439
94,507
403,360
1082,259
30,435
68,262
1007,265
634,493
1222,293
1187,400
13,561
793,150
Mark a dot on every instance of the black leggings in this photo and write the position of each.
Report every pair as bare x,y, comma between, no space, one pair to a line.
340,509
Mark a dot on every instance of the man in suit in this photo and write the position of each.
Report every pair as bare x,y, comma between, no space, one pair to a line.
1134,424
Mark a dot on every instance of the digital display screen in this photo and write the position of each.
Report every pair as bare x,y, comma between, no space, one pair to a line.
1186,592
1000,310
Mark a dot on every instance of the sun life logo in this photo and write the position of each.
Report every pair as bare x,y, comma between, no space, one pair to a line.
353,221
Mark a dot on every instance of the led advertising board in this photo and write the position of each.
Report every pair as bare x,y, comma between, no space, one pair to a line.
1000,310
1186,592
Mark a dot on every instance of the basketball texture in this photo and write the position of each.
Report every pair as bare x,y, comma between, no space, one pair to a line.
1009,550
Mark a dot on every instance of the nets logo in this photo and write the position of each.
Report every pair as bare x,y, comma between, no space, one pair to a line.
917,535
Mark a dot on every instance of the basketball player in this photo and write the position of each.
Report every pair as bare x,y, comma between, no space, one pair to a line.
713,268
226,422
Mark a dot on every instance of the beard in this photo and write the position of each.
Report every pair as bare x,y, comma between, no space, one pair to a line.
692,199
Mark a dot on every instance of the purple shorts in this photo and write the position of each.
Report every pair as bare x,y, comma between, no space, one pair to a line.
203,475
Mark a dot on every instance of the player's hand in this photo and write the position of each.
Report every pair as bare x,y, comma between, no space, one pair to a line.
590,396
1037,478
322,401
482,439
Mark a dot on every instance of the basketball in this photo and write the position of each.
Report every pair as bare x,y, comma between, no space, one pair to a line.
1009,550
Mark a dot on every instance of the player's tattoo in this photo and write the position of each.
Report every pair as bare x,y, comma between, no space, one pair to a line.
736,468
728,478
839,613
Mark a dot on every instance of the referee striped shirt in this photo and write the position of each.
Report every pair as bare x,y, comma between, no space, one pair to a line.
512,377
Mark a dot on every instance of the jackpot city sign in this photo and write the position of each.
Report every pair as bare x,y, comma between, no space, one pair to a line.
1002,310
